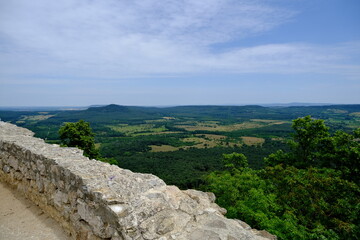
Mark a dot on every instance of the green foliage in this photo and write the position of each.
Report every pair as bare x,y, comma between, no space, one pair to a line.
235,161
323,203
308,137
184,168
313,145
248,197
79,135
111,161
289,202
121,146
309,192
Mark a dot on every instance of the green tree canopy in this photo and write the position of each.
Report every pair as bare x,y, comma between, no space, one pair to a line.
313,146
309,192
235,161
79,134
309,134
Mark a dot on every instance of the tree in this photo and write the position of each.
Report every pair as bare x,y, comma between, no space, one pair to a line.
79,135
326,205
310,192
248,197
342,152
313,146
291,203
235,160
309,135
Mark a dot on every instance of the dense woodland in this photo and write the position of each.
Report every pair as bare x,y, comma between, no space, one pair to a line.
276,168
309,192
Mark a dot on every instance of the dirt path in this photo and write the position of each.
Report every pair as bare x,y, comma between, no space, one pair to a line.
21,219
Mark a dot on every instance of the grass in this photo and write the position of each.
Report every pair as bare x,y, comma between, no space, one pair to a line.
163,148
356,114
251,141
200,126
141,129
339,111
199,141
163,119
278,139
211,136
34,118
216,126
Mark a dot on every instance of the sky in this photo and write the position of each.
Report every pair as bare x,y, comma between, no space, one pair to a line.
179,52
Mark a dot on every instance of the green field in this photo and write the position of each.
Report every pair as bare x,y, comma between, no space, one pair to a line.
137,130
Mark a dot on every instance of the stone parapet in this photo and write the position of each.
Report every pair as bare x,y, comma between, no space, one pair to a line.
95,200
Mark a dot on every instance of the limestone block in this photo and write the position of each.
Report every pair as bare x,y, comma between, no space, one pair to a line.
88,214
121,210
14,163
204,234
33,167
6,169
41,167
18,175
48,186
60,198
164,223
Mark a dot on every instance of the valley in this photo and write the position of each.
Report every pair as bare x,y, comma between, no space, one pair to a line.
182,144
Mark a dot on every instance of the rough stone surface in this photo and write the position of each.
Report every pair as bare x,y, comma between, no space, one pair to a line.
95,200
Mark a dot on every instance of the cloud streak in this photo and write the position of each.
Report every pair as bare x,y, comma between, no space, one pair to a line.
146,38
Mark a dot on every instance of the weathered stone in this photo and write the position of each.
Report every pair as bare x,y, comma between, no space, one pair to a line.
231,238
204,234
6,169
165,225
13,162
60,199
264,234
95,200
243,224
41,167
120,209
216,224
87,213
39,183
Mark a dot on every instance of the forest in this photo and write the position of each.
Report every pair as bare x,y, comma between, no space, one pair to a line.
310,191
293,171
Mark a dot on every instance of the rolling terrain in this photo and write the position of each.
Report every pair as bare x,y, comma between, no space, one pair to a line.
181,144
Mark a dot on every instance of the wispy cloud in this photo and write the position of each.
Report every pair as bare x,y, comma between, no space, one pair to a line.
114,39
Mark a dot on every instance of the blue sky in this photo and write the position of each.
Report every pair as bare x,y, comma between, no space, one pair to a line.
179,52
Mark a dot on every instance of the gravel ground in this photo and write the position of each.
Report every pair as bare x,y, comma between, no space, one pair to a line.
22,219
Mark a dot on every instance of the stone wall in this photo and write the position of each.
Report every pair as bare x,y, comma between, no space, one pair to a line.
95,200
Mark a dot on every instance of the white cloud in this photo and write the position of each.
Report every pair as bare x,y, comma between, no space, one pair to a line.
114,39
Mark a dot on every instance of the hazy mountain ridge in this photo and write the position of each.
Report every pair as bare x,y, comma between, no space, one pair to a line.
113,112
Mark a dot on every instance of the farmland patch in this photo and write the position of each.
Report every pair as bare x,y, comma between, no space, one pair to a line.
251,141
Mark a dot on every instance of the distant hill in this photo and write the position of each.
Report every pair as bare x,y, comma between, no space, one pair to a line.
117,113
109,108
42,108
296,104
